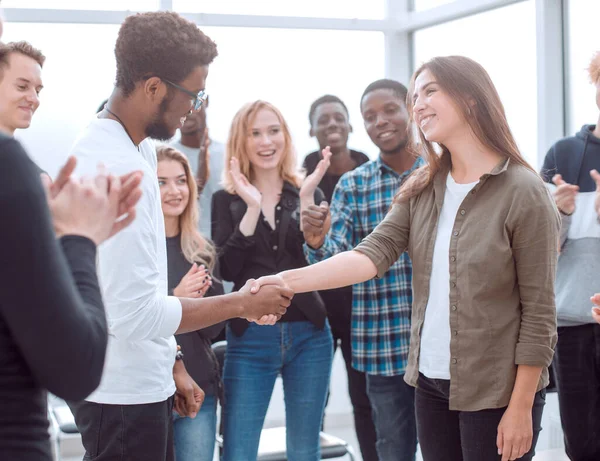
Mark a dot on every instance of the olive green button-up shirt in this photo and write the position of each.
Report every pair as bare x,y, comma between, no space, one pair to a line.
503,253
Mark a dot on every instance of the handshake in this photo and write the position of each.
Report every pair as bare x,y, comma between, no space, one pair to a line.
265,300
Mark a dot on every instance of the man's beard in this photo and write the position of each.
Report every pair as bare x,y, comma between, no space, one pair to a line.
158,129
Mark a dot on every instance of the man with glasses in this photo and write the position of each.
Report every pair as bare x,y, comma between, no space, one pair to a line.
162,65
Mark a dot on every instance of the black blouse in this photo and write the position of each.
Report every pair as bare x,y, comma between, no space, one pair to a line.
266,252
199,359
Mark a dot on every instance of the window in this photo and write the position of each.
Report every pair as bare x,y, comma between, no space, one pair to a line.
117,5
420,5
509,58
583,43
289,68
361,9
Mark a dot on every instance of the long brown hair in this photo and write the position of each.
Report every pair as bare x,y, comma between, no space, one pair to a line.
471,88
237,146
194,246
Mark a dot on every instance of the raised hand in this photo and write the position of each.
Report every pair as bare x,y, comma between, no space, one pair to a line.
565,194
315,222
596,177
243,188
194,284
311,182
269,297
128,191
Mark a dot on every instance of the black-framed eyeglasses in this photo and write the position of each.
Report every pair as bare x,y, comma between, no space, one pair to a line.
199,98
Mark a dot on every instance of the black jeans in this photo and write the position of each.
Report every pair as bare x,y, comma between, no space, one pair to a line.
447,435
339,308
577,368
125,432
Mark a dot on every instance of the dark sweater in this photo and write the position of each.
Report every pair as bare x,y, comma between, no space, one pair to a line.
53,330
199,359
338,302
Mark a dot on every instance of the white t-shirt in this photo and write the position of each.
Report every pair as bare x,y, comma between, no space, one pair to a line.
132,268
434,361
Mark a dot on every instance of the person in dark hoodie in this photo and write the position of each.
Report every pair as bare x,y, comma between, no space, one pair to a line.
571,169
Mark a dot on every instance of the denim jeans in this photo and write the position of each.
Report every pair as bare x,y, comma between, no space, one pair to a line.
302,355
448,435
393,404
195,438
577,367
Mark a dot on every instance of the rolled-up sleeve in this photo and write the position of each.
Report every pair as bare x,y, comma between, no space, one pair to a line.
389,239
535,249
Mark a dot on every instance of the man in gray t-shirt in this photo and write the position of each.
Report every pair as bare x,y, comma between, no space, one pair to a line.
202,154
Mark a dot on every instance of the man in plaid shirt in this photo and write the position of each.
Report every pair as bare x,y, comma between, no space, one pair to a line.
381,308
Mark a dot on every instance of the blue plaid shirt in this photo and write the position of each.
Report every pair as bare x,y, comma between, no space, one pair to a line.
381,308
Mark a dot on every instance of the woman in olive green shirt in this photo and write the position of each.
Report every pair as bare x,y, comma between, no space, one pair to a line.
482,232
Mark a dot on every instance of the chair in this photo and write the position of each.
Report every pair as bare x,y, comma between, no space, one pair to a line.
272,446
64,435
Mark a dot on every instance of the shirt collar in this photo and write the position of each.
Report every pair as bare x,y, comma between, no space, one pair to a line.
383,168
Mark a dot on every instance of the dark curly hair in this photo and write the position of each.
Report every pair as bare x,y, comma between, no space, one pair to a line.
386,84
322,100
159,44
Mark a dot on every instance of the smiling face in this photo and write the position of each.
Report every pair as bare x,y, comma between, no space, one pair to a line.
330,126
435,112
266,141
19,92
174,188
386,120
176,106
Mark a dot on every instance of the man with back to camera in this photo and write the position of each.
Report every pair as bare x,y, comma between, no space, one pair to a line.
381,308
330,125
572,164
162,65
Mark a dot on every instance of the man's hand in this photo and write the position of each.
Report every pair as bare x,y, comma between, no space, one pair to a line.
188,396
565,194
264,297
315,223
596,177
128,195
311,182
255,287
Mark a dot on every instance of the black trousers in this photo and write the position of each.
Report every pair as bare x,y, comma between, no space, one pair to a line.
577,368
447,435
125,432
339,310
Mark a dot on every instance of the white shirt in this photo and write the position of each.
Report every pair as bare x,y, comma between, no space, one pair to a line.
132,268
434,361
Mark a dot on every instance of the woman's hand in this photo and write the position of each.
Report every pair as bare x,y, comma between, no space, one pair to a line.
596,309
311,182
243,188
515,432
194,284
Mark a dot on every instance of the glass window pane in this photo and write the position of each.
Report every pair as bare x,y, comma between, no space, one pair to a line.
373,9
420,5
116,5
289,68
583,43
510,60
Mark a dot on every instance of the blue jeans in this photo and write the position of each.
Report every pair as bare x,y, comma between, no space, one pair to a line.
393,405
302,355
195,438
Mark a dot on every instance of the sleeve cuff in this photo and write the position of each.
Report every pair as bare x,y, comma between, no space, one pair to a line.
241,241
375,256
172,319
533,355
